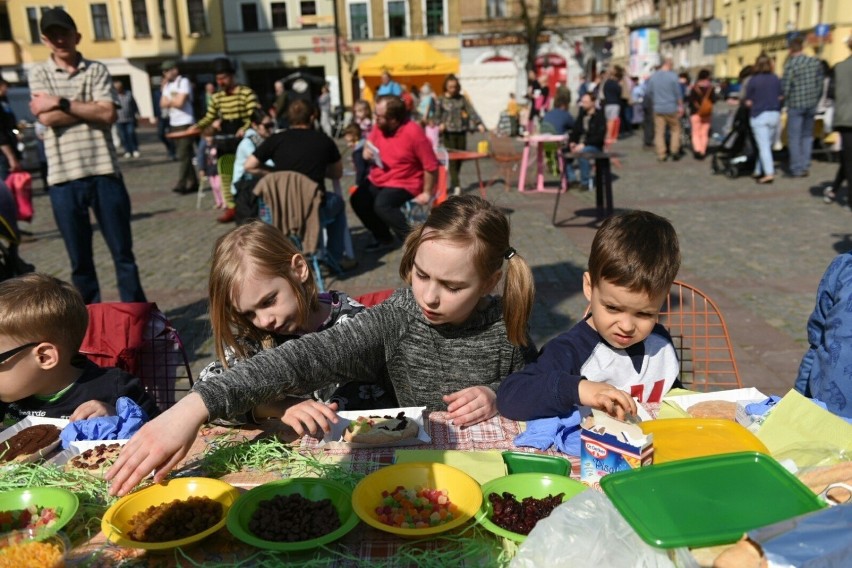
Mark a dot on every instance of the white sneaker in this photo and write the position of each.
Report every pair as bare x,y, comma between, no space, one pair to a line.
128,155
136,154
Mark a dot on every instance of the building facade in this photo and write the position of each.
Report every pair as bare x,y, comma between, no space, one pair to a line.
756,26
683,33
132,38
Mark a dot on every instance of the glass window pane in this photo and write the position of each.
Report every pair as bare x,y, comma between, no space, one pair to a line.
434,17
309,12
279,15
249,17
359,25
396,19
100,21
197,21
140,19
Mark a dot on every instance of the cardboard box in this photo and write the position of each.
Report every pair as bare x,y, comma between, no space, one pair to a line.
608,445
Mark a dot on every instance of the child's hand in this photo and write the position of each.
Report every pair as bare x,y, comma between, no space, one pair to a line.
471,405
310,417
92,409
159,445
606,397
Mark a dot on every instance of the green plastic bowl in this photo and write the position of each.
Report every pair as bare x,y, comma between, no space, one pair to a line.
521,462
538,485
310,488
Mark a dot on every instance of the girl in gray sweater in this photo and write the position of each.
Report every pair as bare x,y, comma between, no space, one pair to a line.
445,342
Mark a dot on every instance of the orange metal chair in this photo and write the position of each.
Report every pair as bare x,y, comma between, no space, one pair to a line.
700,338
137,338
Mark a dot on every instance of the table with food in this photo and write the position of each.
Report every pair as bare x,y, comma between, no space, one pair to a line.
729,478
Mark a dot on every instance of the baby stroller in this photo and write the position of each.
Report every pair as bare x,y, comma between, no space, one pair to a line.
737,152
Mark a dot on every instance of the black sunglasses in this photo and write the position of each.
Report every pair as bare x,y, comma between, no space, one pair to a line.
6,355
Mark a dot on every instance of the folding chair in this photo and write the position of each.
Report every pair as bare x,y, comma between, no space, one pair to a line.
507,155
701,339
138,338
370,299
417,213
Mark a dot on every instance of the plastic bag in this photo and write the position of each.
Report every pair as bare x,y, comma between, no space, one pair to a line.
587,530
21,185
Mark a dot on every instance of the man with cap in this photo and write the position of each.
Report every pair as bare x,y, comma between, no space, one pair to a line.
74,98
232,106
177,100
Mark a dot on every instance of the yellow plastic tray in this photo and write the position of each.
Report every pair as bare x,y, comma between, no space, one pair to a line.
684,438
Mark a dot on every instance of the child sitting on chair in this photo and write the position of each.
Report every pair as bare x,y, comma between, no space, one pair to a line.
208,165
43,322
262,294
619,351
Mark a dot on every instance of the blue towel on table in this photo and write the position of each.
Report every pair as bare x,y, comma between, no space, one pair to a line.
129,418
564,433
761,408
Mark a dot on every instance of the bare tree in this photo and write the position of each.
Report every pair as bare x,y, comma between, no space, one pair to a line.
532,21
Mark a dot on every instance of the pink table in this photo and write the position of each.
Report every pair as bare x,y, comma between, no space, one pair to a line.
538,140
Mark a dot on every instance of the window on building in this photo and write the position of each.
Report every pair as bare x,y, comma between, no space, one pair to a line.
550,7
758,22
496,8
139,9
776,18
248,12
164,24
434,17
741,30
32,24
309,14
197,18
396,10
100,22
5,27
279,15
797,14
359,23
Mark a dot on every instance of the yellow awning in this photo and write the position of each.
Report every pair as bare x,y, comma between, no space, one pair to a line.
404,59
410,63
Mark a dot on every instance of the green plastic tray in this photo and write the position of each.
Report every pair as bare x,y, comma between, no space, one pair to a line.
709,500
520,462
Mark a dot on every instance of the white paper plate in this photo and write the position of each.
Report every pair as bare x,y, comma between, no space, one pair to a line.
413,413
26,423
742,397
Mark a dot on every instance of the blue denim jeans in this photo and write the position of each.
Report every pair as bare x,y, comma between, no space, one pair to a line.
333,219
107,197
763,126
800,138
127,133
586,166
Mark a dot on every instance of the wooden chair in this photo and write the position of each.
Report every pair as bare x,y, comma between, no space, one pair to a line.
701,339
508,156
138,338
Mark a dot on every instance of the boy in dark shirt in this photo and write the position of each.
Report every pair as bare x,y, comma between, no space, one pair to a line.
42,324
619,351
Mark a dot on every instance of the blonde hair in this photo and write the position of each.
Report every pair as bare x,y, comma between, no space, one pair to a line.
258,247
469,219
38,307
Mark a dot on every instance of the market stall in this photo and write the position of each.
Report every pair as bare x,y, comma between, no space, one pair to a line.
410,63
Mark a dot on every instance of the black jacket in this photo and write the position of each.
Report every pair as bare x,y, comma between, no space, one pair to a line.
596,134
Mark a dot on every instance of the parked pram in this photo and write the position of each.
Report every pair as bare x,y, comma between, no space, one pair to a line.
737,153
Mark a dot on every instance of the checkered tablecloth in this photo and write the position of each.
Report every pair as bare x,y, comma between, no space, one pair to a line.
364,542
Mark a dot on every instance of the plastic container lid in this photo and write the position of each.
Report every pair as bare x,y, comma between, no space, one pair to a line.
707,501
685,438
521,462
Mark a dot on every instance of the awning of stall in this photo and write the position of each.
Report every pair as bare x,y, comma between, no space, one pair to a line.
409,63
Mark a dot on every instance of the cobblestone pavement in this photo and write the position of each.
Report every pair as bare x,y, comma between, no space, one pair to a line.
758,251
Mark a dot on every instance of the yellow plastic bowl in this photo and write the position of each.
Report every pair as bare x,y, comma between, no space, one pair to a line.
116,521
461,489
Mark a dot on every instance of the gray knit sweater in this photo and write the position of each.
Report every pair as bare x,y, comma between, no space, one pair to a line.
423,361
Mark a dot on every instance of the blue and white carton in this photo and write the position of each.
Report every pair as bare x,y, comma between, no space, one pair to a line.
608,445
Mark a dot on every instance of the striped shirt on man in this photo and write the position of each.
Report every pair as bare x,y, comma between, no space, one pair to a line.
234,108
86,147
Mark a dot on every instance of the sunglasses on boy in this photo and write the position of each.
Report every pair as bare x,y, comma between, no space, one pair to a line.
6,355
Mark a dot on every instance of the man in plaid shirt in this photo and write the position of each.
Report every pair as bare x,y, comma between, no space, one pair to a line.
802,88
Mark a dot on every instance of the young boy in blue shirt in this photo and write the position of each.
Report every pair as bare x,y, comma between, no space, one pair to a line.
43,322
618,351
